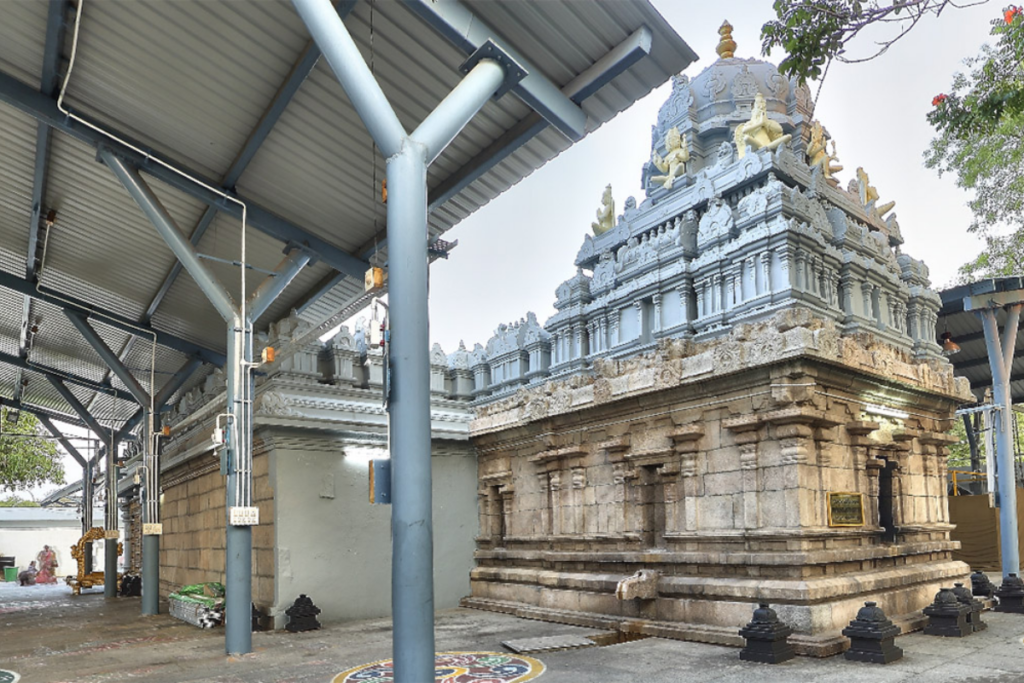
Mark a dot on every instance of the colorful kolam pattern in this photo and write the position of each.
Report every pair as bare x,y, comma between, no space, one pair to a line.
456,667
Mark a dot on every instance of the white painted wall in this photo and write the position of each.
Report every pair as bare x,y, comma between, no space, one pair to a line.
24,532
337,550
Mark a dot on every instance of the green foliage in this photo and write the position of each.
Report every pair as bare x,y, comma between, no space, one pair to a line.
814,32
27,462
17,502
979,124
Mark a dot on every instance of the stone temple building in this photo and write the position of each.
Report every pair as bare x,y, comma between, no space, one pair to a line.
740,398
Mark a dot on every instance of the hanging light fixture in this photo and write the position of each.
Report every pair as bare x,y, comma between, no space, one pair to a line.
949,347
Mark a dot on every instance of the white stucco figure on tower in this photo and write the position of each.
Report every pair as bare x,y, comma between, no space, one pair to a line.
673,164
760,132
869,195
606,213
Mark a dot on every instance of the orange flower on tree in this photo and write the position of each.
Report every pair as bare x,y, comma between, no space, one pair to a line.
1011,13
938,99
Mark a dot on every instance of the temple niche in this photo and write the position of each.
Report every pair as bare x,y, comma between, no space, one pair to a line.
740,395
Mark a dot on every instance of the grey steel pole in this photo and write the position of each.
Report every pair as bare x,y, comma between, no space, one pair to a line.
238,569
412,568
110,544
87,496
150,515
1001,397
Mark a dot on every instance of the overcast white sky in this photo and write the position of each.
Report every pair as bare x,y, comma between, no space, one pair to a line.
514,252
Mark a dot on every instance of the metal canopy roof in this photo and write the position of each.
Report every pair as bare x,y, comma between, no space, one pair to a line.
965,327
234,93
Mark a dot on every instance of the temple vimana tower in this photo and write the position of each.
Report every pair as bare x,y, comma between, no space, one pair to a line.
740,398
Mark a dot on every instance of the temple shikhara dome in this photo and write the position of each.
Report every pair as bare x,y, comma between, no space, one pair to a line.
740,397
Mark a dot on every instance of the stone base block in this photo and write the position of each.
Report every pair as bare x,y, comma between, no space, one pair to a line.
901,592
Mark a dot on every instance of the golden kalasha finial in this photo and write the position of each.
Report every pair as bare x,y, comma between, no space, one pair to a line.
726,45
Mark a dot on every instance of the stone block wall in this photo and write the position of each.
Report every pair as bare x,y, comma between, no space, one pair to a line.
709,463
194,519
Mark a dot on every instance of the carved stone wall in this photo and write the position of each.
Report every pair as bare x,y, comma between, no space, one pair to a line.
715,474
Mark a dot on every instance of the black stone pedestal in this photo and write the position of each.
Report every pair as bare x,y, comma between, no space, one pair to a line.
974,618
1011,595
947,616
302,615
871,637
766,638
981,586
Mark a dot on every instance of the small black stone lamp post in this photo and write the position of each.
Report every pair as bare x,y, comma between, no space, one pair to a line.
1011,595
766,638
871,636
981,586
974,618
302,615
947,616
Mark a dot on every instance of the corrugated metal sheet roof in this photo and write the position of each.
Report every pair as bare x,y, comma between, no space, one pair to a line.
191,79
965,328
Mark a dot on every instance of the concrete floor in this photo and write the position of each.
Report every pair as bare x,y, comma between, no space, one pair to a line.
49,636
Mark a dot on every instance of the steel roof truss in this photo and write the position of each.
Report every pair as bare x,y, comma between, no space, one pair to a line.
116,320
111,360
26,100
459,26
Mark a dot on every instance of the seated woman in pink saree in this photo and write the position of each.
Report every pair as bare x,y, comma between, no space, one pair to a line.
47,565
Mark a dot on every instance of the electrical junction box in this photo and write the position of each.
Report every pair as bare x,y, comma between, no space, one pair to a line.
244,516
152,529
112,533
380,481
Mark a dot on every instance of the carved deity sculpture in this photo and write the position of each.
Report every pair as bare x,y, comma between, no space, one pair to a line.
817,154
673,164
606,214
760,132
869,194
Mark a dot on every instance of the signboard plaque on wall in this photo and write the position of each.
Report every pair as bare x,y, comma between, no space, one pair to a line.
845,508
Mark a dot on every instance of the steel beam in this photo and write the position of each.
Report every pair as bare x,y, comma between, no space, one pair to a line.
48,86
452,114
101,432
62,440
115,320
109,357
272,286
26,100
303,67
168,229
600,73
177,381
459,26
40,411
64,376
351,70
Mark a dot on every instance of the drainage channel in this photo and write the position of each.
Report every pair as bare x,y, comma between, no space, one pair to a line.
572,641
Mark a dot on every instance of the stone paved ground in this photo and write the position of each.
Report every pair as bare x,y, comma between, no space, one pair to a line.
49,636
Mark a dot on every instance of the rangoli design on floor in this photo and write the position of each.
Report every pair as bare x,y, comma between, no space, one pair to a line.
456,667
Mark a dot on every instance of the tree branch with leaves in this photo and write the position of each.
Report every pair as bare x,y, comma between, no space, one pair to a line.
27,458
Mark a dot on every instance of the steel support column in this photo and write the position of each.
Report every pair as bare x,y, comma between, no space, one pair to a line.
237,456
1000,356
412,588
